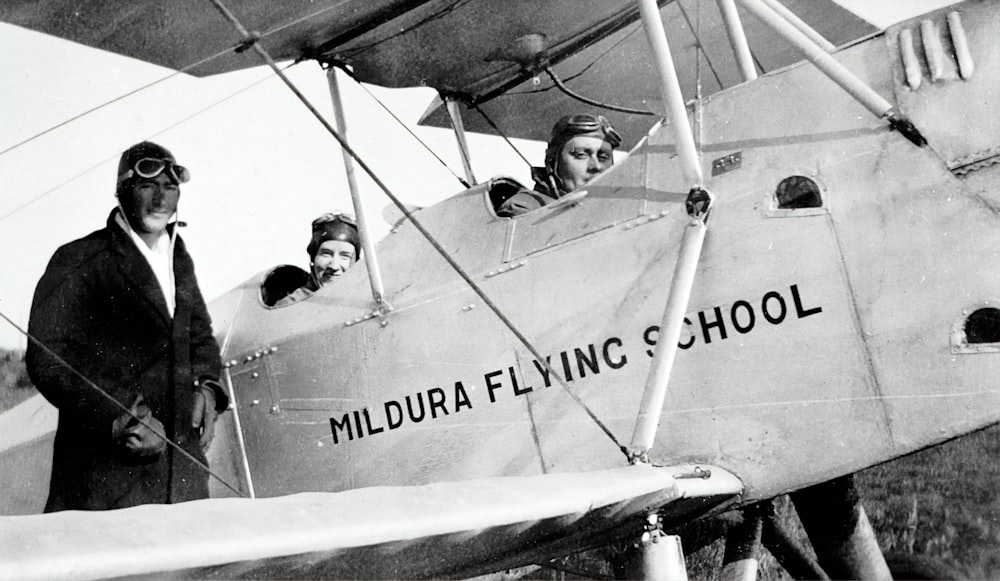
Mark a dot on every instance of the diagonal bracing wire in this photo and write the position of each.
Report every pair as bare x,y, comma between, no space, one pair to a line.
121,406
500,132
249,41
77,176
461,180
116,99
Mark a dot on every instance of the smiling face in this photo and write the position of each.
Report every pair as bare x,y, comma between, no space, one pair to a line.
149,203
333,258
581,158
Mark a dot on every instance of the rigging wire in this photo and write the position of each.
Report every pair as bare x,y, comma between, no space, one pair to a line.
698,46
110,159
116,99
121,406
757,62
408,130
63,362
500,133
416,223
636,27
184,69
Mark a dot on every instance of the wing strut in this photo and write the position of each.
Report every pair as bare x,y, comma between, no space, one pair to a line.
250,42
698,205
651,408
836,72
738,39
238,428
371,260
670,88
463,146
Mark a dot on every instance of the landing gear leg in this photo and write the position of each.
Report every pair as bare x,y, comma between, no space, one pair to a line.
839,531
742,556
795,558
656,556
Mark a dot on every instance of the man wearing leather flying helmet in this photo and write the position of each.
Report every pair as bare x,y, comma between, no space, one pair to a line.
120,311
334,247
580,147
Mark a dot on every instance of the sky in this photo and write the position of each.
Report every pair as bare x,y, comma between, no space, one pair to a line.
262,167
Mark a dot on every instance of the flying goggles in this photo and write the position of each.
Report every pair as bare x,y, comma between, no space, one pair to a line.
150,167
318,223
579,124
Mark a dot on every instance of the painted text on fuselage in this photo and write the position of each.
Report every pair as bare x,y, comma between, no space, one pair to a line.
709,325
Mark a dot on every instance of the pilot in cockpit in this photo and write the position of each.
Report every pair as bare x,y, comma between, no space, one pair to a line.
333,248
580,147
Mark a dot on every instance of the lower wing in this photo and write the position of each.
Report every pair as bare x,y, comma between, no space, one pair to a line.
442,529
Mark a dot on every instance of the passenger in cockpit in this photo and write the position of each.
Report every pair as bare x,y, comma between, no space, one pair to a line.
580,147
333,248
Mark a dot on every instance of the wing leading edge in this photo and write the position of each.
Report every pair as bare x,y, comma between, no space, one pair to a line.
468,527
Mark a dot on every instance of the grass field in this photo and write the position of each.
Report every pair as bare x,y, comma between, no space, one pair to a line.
942,504
15,386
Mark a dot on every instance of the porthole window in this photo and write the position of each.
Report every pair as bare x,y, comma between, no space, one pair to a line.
796,192
983,326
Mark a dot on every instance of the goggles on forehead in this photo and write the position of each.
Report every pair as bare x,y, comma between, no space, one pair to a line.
332,217
150,167
578,124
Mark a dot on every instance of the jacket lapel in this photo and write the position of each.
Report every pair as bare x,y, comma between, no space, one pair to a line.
136,270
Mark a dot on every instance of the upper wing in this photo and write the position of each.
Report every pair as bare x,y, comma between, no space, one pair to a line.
399,43
617,70
464,528
593,43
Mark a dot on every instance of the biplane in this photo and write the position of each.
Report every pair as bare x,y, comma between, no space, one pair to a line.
792,274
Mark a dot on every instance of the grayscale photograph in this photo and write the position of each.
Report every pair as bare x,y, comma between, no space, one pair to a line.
499,289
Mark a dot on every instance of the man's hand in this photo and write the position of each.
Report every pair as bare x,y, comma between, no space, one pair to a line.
203,414
138,433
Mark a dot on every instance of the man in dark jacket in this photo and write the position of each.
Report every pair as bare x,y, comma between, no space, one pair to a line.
120,311
579,148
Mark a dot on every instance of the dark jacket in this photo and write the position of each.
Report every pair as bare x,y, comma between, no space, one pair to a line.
545,192
99,307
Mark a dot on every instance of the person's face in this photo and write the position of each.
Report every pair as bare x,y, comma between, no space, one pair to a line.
581,158
150,203
333,258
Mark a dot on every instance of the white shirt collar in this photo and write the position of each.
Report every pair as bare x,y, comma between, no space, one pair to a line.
159,257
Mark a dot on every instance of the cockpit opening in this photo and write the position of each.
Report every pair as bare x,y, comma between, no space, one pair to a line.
500,189
280,282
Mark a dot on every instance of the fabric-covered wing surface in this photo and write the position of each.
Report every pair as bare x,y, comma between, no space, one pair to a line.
456,46
440,529
398,43
181,33
618,70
